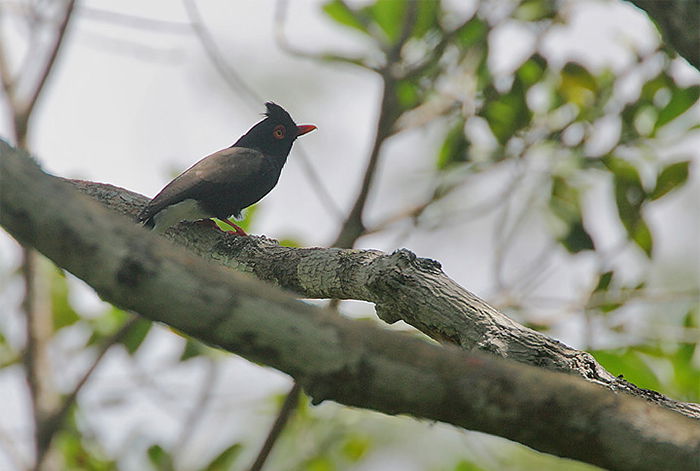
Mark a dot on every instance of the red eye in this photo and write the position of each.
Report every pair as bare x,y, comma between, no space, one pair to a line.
279,132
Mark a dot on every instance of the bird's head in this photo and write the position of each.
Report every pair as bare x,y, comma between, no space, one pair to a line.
275,134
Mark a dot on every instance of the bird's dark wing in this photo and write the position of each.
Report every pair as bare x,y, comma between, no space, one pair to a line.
228,168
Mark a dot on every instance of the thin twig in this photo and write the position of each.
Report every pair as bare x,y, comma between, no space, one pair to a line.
196,414
412,212
59,416
314,178
22,114
136,22
286,46
288,407
52,423
353,227
216,56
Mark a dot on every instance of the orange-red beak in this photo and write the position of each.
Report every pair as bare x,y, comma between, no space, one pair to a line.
304,128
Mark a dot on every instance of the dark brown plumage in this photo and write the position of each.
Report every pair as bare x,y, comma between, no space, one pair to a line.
226,182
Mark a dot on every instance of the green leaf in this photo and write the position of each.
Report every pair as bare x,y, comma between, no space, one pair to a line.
641,235
564,200
671,177
651,87
63,313
224,461
470,33
193,348
160,458
535,10
681,100
389,15
577,84
78,456
408,94
532,70
629,363
630,198
609,307
577,239
136,335
341,13
506,114
8,355
289,242
320,463
622,170
465,465
356,447
248,217
106,324
565,204
427,18
604,281
686,375
454,149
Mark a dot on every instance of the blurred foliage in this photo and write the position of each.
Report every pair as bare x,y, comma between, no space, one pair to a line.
530,110
540,114
465,465
660,366
79,451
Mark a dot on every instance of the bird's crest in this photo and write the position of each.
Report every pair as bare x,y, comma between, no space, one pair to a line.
276,112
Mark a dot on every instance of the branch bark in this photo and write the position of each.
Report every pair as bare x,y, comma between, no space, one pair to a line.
679,24
332,357
402,287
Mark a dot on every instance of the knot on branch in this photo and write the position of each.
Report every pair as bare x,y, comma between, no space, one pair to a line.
406,258
391,273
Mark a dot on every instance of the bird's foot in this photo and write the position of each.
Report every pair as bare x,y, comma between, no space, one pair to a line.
237,230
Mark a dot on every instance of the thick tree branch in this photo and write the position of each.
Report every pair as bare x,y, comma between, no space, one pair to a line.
332,357
402,287
679,23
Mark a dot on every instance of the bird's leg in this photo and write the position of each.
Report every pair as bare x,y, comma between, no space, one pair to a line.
237,229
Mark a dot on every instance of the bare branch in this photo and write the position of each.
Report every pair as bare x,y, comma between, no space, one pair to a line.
288,407
196,413
23,111
230,76
353,227
56,420
283,43
134,21
39,329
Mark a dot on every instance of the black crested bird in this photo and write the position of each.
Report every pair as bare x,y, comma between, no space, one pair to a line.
225,182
